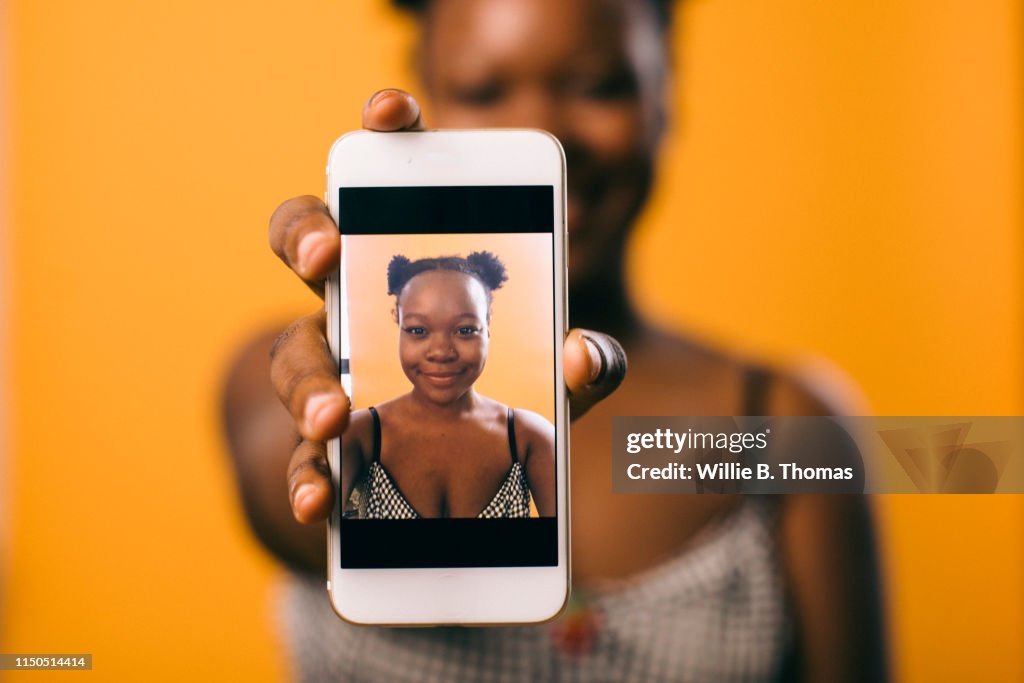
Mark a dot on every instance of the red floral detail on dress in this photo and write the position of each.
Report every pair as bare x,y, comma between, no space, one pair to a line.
577,631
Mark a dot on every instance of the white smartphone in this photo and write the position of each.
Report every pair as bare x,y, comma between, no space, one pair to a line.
447,319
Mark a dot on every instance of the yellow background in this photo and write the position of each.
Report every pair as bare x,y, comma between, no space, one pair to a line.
843,178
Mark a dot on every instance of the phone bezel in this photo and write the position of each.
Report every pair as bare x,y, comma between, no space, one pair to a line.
464,596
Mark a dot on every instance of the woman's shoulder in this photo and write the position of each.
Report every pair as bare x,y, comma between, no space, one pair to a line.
360,418
804,384
529,422
533,430
360,429
534,433
390,408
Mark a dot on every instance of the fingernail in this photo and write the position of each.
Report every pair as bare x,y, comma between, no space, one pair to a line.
318,409
598,362
309,248
303,494
415,109
381,95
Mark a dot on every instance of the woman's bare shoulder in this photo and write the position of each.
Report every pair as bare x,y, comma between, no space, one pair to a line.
359,432
533,424
391,408
799,385
831,560
535,435
811,385
529,425
359,422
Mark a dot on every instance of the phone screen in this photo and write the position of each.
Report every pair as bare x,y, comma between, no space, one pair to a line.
448,351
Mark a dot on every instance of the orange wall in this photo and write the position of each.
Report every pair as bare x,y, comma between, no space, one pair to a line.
843,178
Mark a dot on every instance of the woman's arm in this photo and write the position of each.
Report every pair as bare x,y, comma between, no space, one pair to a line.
264,445
261,439
829,556
356,446
538,437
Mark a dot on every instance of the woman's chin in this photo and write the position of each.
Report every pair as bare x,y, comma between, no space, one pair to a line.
442,395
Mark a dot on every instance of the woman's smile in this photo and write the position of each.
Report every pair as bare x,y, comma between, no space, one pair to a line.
442,379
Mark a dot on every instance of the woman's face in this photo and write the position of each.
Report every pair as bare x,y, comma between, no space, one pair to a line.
589,71
443,334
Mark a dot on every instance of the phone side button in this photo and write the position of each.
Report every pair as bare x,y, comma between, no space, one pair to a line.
328,585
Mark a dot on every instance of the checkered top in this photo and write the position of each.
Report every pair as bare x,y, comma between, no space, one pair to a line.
385,499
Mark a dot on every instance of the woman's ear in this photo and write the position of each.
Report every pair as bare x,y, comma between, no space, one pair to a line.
394,314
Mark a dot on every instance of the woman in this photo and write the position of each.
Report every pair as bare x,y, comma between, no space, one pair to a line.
449,451
707,588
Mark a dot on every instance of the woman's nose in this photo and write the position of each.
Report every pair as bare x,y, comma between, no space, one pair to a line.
441,349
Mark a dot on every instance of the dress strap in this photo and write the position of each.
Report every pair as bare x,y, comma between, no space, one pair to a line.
376,434
512,435
756,382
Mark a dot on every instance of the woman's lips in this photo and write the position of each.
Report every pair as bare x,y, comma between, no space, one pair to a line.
441,379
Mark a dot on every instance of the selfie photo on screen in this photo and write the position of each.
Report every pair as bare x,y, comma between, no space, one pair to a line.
457,420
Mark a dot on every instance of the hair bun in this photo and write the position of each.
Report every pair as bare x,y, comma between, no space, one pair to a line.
410,5
663,9
397,268
488,268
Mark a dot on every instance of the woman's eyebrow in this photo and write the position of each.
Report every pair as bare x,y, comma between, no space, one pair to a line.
459,316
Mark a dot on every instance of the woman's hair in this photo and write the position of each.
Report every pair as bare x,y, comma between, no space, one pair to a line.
662,8
483,265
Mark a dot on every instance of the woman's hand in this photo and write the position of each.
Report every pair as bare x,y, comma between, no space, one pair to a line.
303,372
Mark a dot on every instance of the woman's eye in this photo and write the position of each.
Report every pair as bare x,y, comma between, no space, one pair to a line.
468,331
483,95
613,87
415,331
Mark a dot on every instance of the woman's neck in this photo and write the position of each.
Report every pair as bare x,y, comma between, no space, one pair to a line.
463,404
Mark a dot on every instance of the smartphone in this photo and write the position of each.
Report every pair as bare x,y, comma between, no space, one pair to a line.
447,318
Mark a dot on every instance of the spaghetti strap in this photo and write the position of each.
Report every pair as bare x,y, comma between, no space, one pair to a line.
376,434
756,381
512,435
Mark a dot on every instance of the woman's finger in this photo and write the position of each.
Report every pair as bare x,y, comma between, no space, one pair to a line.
392,109
309,482
305,378
594,366
304,236
302,233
